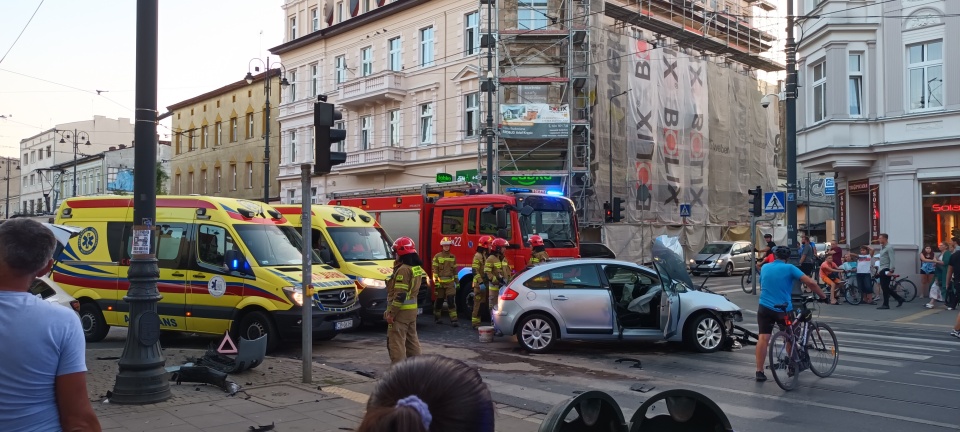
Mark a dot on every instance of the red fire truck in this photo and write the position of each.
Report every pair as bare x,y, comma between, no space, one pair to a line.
462,211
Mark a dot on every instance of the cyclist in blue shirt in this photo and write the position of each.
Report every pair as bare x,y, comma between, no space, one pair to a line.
777,282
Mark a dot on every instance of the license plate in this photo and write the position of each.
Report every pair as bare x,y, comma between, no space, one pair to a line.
419,311
345,324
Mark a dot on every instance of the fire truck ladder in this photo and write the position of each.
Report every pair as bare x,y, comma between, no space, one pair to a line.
425,190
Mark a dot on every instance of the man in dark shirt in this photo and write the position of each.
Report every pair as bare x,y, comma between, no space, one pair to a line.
837,255
953,278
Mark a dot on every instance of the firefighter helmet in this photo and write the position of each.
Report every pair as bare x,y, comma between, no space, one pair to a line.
403,246
484,241
446,241
536,240
499,243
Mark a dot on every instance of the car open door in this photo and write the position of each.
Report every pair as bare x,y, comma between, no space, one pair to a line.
672,272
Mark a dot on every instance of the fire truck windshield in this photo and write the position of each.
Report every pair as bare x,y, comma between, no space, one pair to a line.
552,218
361,243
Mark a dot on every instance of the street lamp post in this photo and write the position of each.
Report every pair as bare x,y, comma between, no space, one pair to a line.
791,108
266,115
76,136
610,141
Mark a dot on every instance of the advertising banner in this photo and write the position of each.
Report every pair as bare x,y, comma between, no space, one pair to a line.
874,213
534,121
842,216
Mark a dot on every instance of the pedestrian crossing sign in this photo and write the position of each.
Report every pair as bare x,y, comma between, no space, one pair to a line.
773,202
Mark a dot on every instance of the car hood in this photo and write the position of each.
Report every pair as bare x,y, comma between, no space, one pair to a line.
699,299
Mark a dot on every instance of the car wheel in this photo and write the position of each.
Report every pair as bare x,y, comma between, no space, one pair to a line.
705,333
728,270
94,325
256,324
465,296
537,333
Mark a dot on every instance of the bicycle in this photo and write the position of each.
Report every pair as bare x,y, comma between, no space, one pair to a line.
904,287
791,347
846,288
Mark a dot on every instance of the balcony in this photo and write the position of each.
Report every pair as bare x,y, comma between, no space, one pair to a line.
373,161
376,88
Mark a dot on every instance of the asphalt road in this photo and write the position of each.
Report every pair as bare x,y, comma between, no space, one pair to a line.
899,370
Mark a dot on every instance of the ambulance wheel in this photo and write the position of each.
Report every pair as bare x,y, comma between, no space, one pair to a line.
256,324
94,325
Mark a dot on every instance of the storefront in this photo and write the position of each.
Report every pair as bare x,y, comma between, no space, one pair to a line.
941,211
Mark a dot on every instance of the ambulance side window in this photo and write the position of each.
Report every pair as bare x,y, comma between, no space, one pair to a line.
118,240
212,244
170,239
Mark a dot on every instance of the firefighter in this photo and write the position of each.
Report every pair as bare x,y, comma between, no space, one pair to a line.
444,282
496,270
402,290
539,251
479,288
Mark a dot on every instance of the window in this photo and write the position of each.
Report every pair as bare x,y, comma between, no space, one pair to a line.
426,47
293,146
293,28
575,276
293,85
488,224
341,69
315,19
532,14
856,85
925,73
249,175
177,182
341,145
540,281
366,132
204,136
233,174
366,61
216,172
313,197
366,6
471,33
219,137
394,45
394,116
190,144
820,92
339,12
233,129
250,125
628,283
472,222
471,114
213,242
40,155
426,123
452,222
33,156
314,79
203,182
190,183
48,151
169,242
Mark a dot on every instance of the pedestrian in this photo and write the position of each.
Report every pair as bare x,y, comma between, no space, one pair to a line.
951,291
429,393
43,379
539,251
838,256
807,255
767,252
445,282
495,270
953,278
827,269
479,287
886,264
928,264
937,288
865,273
403,289
777,281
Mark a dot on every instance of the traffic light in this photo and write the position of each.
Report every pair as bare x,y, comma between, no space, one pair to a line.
618,209
607,212
324,117
756,201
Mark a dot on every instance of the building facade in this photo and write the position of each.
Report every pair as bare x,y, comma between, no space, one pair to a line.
880,104
65,142
404,74
219,141
9,186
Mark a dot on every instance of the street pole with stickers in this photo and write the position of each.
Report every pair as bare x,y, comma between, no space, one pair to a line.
306,288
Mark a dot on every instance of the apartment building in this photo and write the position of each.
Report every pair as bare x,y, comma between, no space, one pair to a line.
879,103
9,186
405,75
64,142
219,140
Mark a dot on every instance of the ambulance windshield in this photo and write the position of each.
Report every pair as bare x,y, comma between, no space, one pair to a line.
273,245
361,243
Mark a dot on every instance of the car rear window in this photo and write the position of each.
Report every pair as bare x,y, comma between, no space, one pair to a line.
40,288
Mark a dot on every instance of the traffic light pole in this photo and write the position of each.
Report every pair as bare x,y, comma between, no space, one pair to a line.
306,286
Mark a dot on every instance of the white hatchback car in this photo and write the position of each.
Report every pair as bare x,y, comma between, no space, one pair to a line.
609,300
48,290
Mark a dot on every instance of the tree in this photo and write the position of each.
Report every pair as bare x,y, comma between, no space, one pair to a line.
162,178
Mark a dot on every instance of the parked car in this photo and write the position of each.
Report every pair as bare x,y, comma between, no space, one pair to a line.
722,257
48,290
598,299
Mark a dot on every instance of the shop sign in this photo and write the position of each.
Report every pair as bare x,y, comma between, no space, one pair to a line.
444,178
471,175
530,180
842,216
874,213
857,187
939,208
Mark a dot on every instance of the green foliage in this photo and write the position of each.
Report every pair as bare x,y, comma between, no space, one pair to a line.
162,178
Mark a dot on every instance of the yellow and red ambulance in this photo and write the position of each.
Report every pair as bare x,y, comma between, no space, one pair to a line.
225,264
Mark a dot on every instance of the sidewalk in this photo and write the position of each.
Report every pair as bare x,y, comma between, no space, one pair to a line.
272,393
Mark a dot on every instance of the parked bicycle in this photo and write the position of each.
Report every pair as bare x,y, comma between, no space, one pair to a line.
904,287
801,344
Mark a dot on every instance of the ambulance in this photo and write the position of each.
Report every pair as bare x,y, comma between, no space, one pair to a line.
350,240
225,265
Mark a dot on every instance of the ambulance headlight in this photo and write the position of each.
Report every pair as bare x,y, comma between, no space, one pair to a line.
295,294
372,283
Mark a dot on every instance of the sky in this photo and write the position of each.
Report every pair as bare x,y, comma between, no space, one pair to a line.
72,48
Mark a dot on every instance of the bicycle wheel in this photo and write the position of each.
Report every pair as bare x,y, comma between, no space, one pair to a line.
907,289
823,349
745,283
783,361
852,295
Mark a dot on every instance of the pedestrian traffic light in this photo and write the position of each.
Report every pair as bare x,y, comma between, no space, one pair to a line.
756,201
324,118
607,212
618,209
